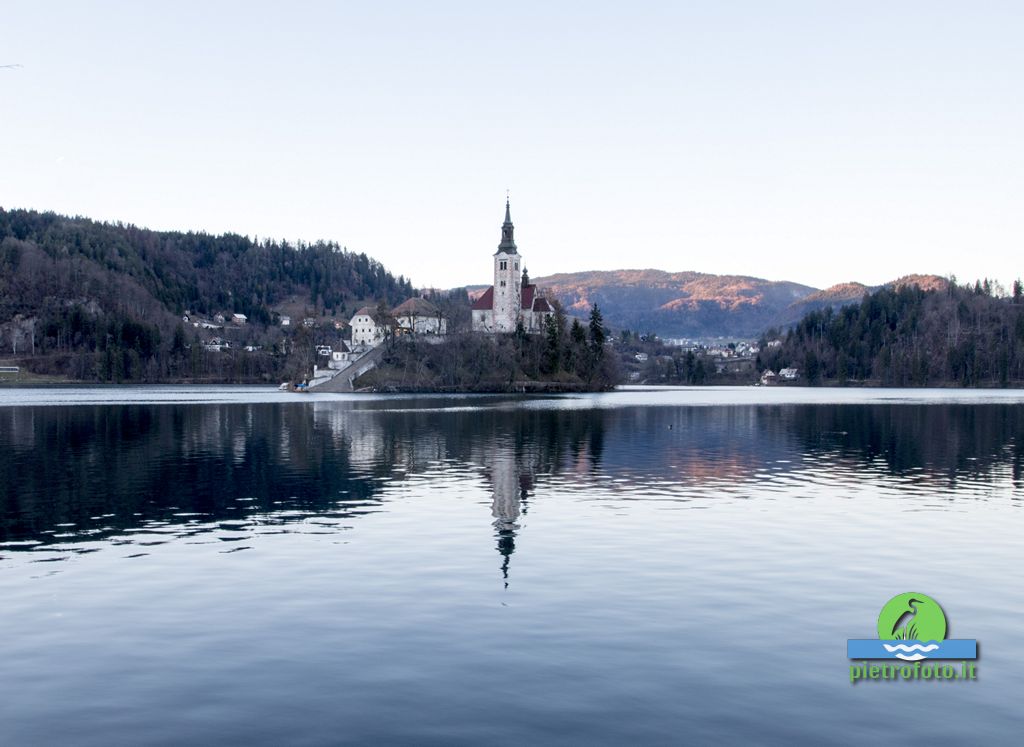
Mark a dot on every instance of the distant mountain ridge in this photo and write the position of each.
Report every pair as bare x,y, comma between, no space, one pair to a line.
702,305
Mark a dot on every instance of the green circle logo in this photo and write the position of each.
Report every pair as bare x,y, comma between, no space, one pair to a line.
912,617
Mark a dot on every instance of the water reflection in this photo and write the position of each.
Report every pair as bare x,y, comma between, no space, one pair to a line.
510,485
142,474
947,443
325,572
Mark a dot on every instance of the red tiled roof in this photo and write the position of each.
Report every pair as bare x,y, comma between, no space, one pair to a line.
484,302
526,299
529,300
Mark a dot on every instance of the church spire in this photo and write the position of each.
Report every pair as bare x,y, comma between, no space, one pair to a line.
507,245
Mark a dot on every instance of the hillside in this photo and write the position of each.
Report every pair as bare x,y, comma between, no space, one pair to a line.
844,294
677,304
699,305
904,335
105,301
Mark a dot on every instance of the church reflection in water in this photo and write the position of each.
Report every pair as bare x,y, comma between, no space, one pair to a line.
511,484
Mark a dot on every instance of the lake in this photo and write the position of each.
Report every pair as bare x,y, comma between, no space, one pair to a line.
246,566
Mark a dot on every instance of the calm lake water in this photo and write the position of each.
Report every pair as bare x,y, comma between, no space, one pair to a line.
242,566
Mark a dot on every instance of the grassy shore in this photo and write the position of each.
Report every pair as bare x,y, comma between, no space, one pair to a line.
26,378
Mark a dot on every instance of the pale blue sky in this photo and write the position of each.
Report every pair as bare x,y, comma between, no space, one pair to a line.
811,141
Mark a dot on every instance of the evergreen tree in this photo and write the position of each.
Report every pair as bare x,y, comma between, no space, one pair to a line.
178,343
578,335
597,332
552,346
597,337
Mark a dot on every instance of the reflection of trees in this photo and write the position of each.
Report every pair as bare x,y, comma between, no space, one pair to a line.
948,442
107,469
101,470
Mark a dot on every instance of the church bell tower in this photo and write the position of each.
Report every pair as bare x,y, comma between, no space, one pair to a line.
507,278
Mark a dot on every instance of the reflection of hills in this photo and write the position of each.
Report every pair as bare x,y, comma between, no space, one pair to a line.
68,473
665,446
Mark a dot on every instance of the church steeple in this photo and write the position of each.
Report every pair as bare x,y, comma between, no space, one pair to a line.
507,245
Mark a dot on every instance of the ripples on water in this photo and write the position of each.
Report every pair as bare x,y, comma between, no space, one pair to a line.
645,566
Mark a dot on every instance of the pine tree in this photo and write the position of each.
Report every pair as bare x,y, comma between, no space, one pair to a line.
552,346
576,333
597,332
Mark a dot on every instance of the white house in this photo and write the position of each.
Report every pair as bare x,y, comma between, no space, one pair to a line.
367,327
239,318
789,374
341,357
509,301
419,316
286,321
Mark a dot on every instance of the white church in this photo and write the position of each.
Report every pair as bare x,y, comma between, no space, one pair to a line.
509,301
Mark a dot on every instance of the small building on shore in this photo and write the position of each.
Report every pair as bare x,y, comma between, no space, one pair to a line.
340,357
419,317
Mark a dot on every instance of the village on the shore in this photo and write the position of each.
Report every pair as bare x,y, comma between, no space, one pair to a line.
345,349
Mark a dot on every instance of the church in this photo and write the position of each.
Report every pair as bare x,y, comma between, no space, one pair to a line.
509,301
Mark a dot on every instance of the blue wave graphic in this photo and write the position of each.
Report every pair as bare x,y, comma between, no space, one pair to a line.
914,652
955,648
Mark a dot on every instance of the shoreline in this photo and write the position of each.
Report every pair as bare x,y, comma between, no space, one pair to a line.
518,387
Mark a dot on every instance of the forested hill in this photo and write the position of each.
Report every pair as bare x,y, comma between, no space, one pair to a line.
907,336
52,257
82,285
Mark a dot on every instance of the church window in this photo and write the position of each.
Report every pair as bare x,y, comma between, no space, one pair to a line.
504,264
502,283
